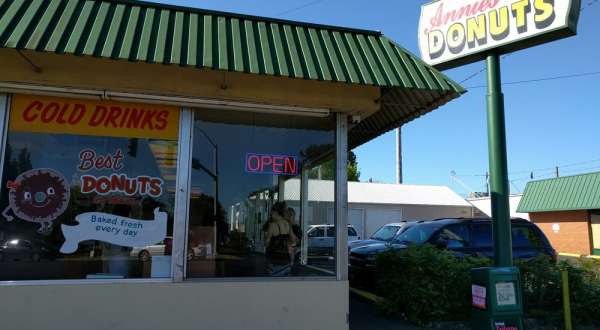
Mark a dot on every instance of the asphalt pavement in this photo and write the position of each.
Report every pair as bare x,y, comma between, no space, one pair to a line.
364,315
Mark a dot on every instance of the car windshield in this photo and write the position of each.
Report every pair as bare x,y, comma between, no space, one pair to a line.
385,233
416,235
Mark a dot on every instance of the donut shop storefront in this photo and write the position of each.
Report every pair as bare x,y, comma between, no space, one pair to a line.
144,147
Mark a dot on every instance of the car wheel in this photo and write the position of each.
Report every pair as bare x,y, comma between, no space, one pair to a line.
35,257
144,256
190,255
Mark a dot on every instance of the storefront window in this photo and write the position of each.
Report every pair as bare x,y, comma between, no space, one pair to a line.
245,206
87,190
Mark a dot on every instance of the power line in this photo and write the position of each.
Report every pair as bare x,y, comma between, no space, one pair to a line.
308,4
475,74
568,76
543,173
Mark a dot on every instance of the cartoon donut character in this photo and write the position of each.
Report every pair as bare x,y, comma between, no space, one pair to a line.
39,195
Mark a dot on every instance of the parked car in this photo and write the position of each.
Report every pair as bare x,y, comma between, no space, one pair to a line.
145,253
463,237
386,233
17,249
321,238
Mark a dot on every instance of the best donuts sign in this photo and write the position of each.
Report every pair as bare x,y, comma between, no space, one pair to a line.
458,32
116,182
43,114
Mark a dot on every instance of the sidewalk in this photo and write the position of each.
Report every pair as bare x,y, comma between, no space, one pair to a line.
365,316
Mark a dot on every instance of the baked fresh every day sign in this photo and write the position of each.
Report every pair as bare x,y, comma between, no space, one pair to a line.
114,229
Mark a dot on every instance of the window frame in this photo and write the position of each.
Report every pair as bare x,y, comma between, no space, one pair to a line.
181,206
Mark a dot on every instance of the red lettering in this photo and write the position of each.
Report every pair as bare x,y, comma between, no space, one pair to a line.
249,163
124,118
442,18
29,117
135,118
50,112
77,114
130,187
88,184
118,157
161,120
98,117
143,184
86,159
103,162
148,118
290,165
277,165
155,187
265,160
113,114
61,114
117,182
102,185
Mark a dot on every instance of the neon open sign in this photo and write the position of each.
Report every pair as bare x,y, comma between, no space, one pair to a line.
271,164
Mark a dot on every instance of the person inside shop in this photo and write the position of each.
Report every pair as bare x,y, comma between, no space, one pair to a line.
279,238
291,218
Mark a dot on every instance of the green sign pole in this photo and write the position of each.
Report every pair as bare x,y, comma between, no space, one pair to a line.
499,188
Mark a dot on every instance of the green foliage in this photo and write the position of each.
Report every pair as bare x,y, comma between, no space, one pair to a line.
327,169
424,284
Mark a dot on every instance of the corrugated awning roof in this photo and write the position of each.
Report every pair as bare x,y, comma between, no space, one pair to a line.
579,192
156,33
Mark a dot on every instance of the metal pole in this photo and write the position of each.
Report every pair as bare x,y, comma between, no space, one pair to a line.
566,299
399,178
499,188
341,196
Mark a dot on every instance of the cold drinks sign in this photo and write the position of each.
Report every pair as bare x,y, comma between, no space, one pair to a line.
458,32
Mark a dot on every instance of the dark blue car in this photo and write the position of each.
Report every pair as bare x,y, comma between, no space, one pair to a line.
463,237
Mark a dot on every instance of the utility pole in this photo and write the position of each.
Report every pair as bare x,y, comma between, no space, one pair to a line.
499,188
399,178
557,172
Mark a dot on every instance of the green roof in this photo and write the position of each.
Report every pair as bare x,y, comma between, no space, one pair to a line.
156,33
579,192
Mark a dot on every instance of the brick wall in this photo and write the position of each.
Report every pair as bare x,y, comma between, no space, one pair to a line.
574,233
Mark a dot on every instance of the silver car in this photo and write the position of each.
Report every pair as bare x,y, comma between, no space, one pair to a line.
321,238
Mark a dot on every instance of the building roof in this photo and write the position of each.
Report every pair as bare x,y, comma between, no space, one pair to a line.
139,31
484,205
378,193
578,192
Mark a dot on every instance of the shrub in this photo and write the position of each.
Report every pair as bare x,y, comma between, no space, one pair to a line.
424,284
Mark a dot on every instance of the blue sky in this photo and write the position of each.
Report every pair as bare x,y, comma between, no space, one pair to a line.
549,123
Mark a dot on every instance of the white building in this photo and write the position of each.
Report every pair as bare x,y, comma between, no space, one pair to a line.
371,205
483,206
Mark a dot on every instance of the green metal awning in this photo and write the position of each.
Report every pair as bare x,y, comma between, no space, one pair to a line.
155,33
579,192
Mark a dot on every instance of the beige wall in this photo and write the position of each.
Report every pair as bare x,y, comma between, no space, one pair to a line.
167,306
573,235
173,80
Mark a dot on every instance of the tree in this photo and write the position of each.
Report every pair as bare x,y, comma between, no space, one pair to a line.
326,171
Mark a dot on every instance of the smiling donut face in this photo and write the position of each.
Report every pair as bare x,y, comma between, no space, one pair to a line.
39,195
